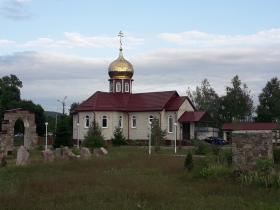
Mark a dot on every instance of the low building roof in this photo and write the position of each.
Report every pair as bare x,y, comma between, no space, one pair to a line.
138,102
238,126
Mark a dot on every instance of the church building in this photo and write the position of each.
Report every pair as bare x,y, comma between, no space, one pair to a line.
134,112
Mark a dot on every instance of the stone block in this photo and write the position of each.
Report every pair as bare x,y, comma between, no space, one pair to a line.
22,156
249,147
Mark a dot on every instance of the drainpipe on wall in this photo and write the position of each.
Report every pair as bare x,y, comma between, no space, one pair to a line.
128,120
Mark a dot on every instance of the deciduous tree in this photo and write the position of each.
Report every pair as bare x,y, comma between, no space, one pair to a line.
269,107
237,104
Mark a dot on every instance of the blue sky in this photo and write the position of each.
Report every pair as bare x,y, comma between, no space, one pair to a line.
53,44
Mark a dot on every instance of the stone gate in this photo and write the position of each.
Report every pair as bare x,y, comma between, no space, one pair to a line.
7,133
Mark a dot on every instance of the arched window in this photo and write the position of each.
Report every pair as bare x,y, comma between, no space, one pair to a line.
170,124
120,124
151,119
87,122
133,121
126,87
118,87
104,122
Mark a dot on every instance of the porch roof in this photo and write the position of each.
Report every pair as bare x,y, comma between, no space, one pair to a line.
192,117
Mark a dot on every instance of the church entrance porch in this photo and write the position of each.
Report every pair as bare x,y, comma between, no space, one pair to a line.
186,134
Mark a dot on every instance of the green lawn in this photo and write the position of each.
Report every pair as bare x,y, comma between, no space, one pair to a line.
125,179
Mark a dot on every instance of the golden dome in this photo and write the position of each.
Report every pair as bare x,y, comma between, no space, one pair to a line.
120,68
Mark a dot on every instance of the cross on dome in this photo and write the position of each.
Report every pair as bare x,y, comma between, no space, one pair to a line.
121,36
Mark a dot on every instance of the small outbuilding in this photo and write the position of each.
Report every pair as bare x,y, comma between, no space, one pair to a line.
250,127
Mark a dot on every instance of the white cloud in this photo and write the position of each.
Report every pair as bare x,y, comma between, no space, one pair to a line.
202,39
15,9
47,77
6,42
76,40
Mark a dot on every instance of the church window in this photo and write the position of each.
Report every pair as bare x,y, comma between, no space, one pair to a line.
118,87
87,122
170,124
133,121
151,119
120,124
104,122
126,87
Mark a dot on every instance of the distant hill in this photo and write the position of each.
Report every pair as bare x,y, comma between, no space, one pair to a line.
52,114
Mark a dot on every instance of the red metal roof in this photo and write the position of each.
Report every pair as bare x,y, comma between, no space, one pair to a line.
249,126
191,117
153,101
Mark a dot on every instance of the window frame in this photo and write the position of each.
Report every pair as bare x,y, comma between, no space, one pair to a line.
118,87
104,117
120,122
126,87
150,120
172,124
133,119
87,122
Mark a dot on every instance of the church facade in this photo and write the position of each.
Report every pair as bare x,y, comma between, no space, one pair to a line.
134,112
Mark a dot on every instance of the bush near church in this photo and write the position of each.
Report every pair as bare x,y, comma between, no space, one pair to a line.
157,134
119,138
94,138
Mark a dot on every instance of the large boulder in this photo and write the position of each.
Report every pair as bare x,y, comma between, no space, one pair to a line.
3,161
100,151
22,156
67,154
58,154
48,155
85,153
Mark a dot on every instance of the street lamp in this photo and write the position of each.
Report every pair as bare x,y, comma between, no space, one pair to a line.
175,138
46,146
78,140
150,138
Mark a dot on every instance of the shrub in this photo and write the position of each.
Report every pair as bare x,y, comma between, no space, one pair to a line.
216,149
201,148
94,138
276,156
227,154
189,162
157,134
119,138
264,166
76,151
215,171
260,179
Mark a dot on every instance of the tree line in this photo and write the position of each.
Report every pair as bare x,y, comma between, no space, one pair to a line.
237,103
10,98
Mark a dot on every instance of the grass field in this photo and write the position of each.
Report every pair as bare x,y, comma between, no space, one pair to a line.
125,179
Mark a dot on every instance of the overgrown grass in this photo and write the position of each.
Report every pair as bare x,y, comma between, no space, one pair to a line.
125,179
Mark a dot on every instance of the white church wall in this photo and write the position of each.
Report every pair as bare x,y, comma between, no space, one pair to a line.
112,123
142,129
81,118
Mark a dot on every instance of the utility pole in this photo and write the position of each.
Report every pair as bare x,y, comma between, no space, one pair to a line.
63,104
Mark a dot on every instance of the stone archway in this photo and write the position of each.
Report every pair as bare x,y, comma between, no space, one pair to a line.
7,133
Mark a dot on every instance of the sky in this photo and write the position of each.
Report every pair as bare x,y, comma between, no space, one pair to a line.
63,48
